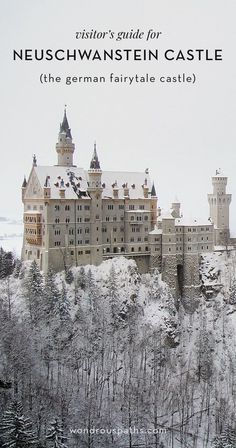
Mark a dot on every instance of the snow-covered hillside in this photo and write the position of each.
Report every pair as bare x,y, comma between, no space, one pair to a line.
104,347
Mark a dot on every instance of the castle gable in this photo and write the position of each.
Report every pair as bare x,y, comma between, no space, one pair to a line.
34,188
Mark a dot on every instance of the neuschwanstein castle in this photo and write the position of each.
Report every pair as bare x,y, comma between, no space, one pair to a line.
76,217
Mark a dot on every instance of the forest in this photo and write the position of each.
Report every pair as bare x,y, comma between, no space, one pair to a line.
105,357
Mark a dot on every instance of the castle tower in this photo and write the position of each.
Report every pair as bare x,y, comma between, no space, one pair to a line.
95,192
153,206
175,208
219,202
64,147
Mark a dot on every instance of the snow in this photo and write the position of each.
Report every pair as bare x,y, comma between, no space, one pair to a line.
109,178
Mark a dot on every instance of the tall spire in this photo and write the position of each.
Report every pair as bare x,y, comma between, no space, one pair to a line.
95,164
64,126
153,191
65,147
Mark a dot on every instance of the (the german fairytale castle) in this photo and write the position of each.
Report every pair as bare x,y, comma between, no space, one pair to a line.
74,216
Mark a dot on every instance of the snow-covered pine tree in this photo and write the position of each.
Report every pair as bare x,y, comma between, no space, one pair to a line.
7,263
16,429
55,437
64,305
34,292
113,297
82,278
51,295
69,277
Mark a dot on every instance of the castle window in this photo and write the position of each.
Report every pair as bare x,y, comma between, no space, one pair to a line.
87,252
110,207
146,229
132,249
156,239
97,216
114,229
132,239
138,229
87,207
107,240
139,218
122,218
132,229
121,207
67,207
145,218
202,247
157,249
132,218
71,231
189,239
189,230
122,229
207,229
131,207
145,238
194,230
57,243
139,239
86,220
107,218
189,248
57,220
207,238
57,208
170,240
86,230
72,252
71,242
141,207
146,248
79,207
139,249
79,230
80,242
114,240
122,239
80,252
86,241
114,218
79,219
67,220
169,249
207,247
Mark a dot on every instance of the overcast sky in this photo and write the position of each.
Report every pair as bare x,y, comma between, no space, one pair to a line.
182,132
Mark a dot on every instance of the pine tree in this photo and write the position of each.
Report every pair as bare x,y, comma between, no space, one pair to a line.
55,435
34,292
64,305
69,277
82,279
7,263
51,295
16,429
113,297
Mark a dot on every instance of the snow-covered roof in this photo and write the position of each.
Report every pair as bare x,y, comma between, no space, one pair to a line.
77,178
156,231
191,222
134,181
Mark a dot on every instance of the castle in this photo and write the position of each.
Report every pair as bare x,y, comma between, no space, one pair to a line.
78,217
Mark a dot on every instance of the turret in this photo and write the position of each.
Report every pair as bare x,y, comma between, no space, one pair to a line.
23,189
219,202
175,208
95,192
65,147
